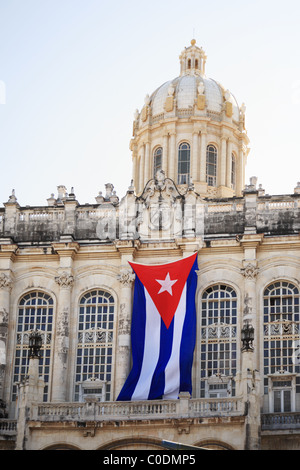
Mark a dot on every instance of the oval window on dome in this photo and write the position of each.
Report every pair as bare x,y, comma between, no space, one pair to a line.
184,155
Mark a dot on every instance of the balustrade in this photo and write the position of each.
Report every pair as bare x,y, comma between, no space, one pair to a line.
154,409
273,421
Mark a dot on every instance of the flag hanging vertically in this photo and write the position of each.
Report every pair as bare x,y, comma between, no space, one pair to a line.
163,331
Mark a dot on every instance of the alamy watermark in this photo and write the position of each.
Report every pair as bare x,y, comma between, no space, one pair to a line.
158,220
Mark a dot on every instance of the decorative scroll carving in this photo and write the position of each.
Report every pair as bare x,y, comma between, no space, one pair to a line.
126,278
65,280
250,271
5,281
95,335
281,329
219,331
124,321
23,338
3,317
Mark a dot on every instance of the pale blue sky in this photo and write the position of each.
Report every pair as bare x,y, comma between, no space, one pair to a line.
76,70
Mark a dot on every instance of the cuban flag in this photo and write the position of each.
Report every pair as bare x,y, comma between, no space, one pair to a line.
163,331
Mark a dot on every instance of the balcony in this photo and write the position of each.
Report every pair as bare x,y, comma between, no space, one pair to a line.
8,428
139,410
280,421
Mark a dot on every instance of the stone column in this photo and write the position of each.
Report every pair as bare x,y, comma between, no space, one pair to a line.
249,379
141,168
172,157
7,256
229,164
203,157
194,166
222,168
165,155
135,174
240,182
65,280
148,164
30,391
126,278
250,271
5,289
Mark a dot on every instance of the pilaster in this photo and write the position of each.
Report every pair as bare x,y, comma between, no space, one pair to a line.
126,278
7,255
65,281
172,156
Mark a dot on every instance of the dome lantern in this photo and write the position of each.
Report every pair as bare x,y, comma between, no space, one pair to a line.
192,60
192,128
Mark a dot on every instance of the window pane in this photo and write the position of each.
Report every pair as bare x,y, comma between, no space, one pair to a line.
157,161
32,317
218,334
211,165
95,340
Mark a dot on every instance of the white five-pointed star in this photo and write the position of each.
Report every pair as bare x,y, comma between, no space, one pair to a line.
166,284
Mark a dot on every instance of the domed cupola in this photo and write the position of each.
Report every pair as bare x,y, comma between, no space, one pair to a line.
193,129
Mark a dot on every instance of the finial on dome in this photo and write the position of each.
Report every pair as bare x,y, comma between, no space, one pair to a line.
193,42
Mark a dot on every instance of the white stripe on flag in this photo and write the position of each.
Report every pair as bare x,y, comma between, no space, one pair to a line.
172,370
151,350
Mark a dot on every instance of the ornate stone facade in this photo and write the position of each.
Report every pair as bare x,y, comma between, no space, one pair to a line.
64,271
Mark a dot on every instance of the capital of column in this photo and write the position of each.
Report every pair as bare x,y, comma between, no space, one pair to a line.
250,271
65,280
5,281
126,278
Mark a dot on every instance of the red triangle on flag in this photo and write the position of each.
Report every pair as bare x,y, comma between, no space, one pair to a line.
165,283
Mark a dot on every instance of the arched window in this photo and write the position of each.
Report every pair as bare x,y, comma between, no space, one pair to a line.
184,152
233,171
35,312
218,341
157,160
281,345
95,346
211,165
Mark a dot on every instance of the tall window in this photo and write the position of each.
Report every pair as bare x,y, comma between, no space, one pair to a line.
281,344
157,160
35,312
233,171
218,341
211,165
184,152
95,345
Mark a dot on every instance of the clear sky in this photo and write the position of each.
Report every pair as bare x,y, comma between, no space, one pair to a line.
72,73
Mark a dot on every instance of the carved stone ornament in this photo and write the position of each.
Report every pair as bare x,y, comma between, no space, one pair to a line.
3,316
250,271
126,278
5,281
158,185
65,280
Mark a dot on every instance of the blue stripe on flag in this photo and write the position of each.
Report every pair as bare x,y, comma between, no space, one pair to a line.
137,340
158,380
189,333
